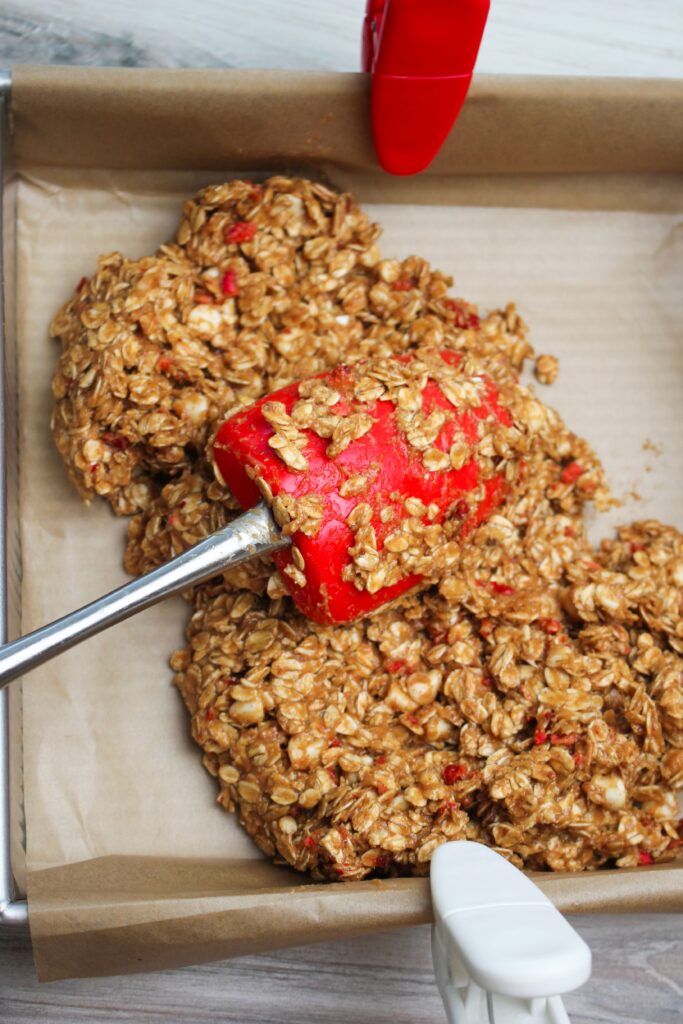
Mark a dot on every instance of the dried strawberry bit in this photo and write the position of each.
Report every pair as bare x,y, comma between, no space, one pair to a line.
487,682
578,759
209,715
636,547
164,364
461,509
94,466
310,842
336,742
405,285
240,231
571,473
550,626
450,805
412,719
454,772
487,627
229,283
116,441
171,520
462,317
381,759
395,666
569,532
558,739
541,737
502,588
645,858
333,775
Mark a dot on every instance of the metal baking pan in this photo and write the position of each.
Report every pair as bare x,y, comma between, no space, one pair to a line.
220,112
13,906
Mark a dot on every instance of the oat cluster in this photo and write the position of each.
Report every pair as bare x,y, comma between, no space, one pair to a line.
531,699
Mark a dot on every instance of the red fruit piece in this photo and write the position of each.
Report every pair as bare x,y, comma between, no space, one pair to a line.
229,283
450,805
454,772
560,740
645,858
115,441
463,317
240,231
571,473
541,737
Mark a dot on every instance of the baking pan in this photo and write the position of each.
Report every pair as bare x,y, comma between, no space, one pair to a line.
562,144
13,908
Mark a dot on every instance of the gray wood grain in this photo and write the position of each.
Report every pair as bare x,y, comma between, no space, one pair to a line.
612,37
637,979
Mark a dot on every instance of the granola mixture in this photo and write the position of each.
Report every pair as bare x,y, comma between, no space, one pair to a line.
531,698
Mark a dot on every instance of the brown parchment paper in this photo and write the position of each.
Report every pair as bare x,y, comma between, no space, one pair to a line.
130,864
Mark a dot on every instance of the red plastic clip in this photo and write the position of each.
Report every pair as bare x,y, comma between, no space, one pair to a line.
421,54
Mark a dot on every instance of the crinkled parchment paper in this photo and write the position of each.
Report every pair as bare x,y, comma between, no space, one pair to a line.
130,863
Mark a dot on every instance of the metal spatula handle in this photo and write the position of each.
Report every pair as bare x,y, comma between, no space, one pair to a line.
252,534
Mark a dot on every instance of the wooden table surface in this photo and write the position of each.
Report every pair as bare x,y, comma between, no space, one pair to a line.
638,960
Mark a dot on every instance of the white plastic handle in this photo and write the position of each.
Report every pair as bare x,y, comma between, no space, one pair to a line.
501,949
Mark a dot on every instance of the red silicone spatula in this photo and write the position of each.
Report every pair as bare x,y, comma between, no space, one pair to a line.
421,55
386,442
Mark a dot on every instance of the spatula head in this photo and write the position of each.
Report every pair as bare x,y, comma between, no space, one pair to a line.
372,469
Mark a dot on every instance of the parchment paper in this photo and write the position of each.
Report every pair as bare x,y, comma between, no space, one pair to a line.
130,863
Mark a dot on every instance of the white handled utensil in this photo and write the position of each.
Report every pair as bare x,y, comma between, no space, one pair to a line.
502,953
